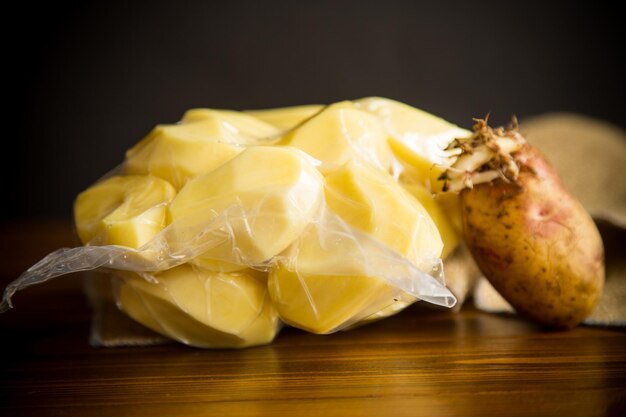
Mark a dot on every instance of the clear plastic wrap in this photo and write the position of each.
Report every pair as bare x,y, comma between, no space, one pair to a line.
219,255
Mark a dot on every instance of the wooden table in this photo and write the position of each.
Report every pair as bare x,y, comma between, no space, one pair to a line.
423,362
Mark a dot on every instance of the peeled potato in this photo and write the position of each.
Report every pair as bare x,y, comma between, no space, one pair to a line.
287,117
248,210
202,308
371,201
177,153
417,138
325,284
339,133
449,235
123,210
236,127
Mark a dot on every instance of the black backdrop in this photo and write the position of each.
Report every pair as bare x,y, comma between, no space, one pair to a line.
85,82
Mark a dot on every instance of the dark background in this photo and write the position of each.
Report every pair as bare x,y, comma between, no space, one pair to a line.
85,82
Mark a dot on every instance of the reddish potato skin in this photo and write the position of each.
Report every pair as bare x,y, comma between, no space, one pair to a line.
535,243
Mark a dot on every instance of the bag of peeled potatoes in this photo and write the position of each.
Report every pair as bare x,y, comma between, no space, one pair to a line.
220,229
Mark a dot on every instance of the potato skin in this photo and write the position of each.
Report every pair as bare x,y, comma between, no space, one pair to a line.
535,243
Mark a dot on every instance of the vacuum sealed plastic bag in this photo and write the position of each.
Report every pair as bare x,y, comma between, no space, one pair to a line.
220,228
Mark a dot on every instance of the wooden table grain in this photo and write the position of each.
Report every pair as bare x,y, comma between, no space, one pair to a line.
422,362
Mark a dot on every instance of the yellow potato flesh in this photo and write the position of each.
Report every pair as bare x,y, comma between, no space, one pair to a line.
126,211
324,286
417,138
249,209
371,201
323,303
449,235
287,117
340,133
202,308
177,153
236,127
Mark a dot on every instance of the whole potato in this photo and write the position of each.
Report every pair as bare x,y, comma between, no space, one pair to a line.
532,239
